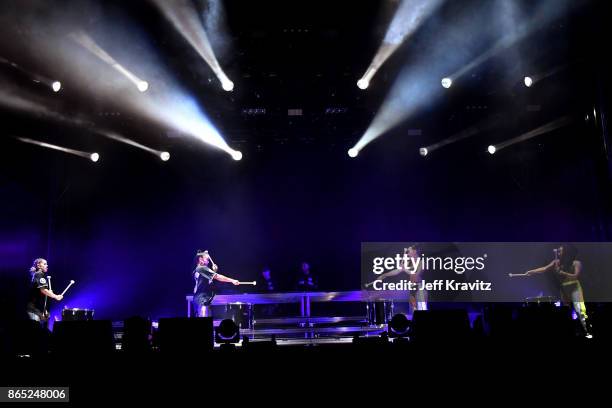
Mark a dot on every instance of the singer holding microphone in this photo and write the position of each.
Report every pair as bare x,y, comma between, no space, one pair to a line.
567,268
205,275
40,290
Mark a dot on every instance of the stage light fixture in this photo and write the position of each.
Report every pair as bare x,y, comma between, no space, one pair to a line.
56,86
540,130
399,326
227,332
446,82
165,156
143,86
423,151
94,157
90,45
528,81
236,155
407,19
353,152
363,84
227,85
186,18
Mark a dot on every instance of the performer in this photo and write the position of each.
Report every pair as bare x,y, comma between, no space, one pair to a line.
266,274
39,292
567,268
205,276
269,286
418,297
306,281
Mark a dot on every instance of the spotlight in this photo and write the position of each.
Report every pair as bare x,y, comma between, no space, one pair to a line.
91,156
56,86
184,16
423,151
446,82
143,86
399,325
548,127
528,81
227,332
353,152
362,84
165,156
236,155
227,85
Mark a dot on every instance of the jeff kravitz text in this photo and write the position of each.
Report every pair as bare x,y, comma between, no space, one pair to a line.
435,285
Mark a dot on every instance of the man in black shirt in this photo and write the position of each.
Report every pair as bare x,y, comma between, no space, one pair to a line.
307,282
272,309
203,292
39,291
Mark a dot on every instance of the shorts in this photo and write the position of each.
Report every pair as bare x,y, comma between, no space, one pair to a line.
203,299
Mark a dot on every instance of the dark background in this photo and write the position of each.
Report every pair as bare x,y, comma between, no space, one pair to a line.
126,228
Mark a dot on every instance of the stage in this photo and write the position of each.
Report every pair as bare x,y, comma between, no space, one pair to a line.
208,181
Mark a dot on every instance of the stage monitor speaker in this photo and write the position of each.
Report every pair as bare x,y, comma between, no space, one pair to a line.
186,335
86,337
437,326
546,323
136,332
499,319
27,337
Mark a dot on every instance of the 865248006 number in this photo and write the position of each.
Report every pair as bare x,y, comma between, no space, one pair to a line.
51,394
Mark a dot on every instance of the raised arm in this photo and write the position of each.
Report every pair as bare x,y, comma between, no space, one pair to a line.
541,270
223,278
390,274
